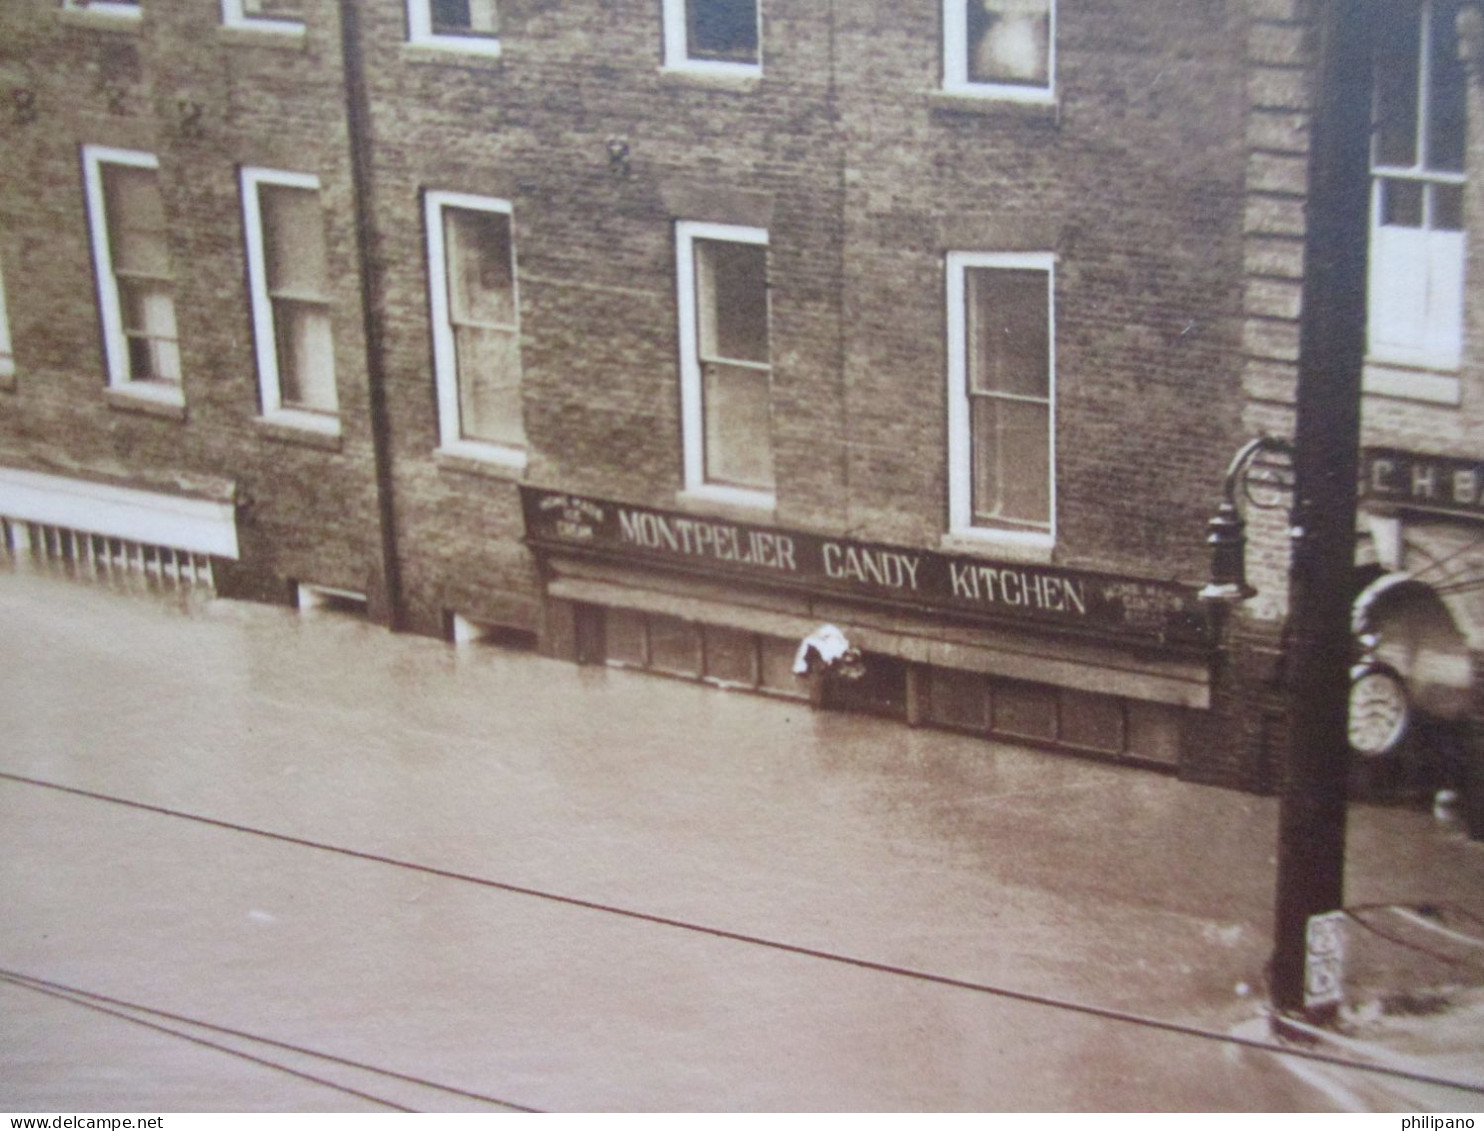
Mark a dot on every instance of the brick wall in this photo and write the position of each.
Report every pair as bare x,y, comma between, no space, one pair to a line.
204,100
596,255
1134,180
1163,179
868,177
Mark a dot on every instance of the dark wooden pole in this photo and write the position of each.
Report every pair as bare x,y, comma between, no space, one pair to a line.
1311,833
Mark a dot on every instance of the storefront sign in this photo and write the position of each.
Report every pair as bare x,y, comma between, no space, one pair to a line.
1097,603
1432,482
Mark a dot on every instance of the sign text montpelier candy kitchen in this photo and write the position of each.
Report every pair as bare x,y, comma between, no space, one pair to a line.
1101,604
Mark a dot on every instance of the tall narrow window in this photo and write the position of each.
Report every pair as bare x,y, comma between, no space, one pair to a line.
726,372
136,282
1001,396
289,276
476,326
458,25
284,16
712,35
1417,242
1000,48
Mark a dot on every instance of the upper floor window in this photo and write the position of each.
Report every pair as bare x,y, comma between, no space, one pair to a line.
1417,163
1000,48
1001,396
286,16
476,326
459,25
135,273
289,280
726,370
719,36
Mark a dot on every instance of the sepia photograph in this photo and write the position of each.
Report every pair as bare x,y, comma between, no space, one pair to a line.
741,556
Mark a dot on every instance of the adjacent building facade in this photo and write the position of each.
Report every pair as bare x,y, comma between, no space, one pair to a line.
661,334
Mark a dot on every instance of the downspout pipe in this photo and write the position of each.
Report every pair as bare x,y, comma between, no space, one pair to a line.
358,121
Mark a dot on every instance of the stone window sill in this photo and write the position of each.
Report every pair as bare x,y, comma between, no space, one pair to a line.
508,466
738,505
1006,546
165,402
1430,386
125,22
303,429
697,78
954,104
428,54
240,35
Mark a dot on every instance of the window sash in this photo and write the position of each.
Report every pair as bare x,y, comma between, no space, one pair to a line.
475,310
489,386
474,18
720,37
463,26
306,355
289,280
726,370
736,406
1000,48
723,31
134,268
1002,403
148,316
1417,246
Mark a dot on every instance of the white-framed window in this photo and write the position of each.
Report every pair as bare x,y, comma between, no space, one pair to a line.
123,9
1000,49
1002,396
725,366
289,283
283,16
476,326
1417,188
717,36
7,357
134,271
456,25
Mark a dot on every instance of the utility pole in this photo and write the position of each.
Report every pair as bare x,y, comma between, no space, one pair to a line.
1311,832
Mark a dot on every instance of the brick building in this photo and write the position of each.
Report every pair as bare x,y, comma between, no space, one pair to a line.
661,334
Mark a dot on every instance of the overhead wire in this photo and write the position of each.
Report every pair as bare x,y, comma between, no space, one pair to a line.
78,998
1028,997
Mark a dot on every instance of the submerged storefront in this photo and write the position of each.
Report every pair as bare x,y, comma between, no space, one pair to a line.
1422,568
1098,663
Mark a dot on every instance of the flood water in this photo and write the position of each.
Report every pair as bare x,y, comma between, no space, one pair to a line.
443,878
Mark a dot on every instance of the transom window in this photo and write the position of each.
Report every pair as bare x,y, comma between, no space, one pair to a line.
476,326
1001,395
715,35
1417,160
135,274
726,370
1000,48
